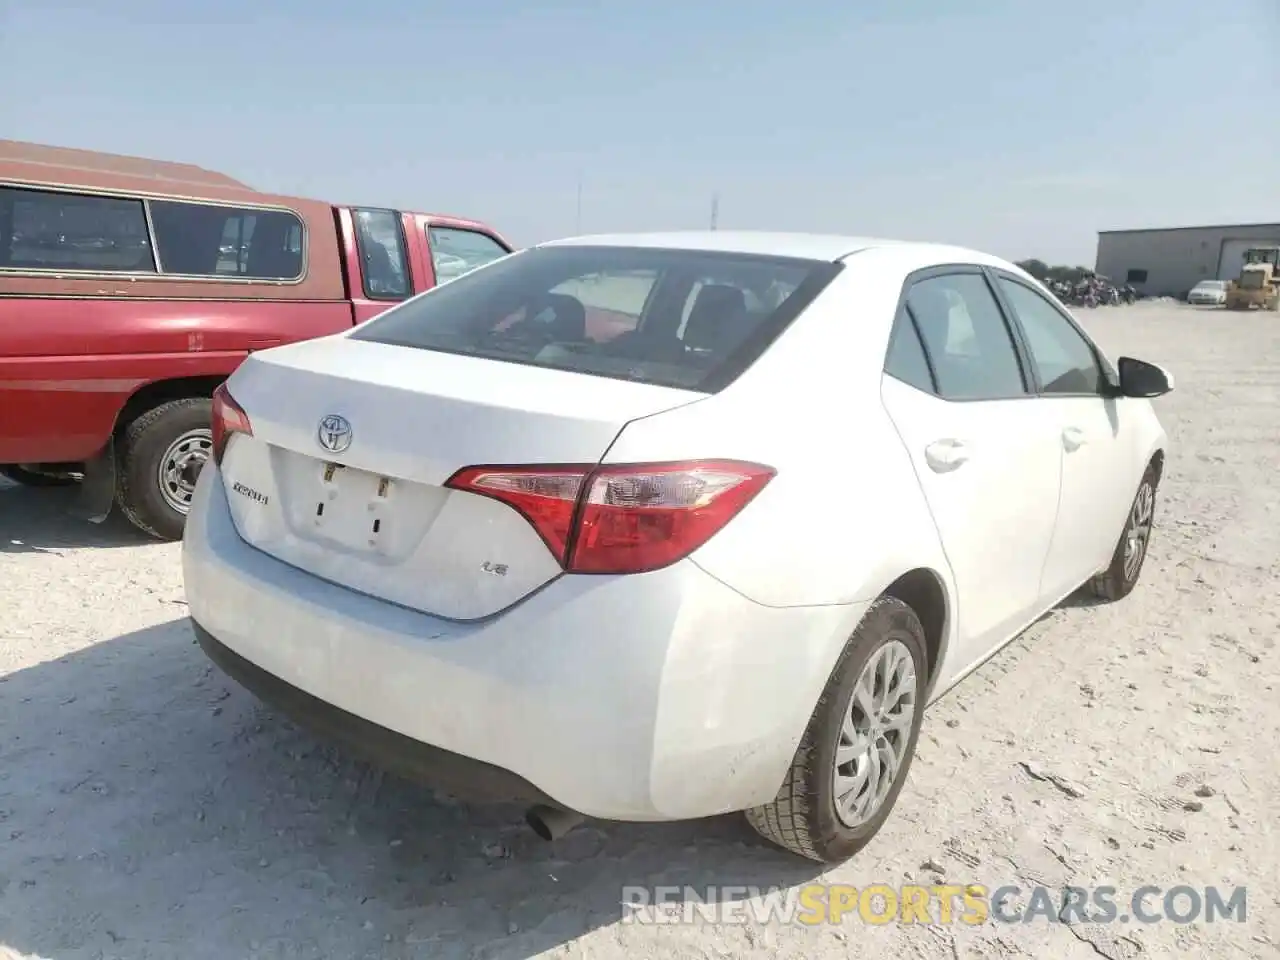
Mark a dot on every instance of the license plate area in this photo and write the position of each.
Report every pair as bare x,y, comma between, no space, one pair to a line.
354,507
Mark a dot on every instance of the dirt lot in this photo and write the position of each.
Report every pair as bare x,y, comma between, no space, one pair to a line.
148,808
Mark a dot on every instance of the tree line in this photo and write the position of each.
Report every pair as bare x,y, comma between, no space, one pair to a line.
1043,271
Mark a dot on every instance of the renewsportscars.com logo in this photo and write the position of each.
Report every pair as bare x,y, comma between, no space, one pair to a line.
973,904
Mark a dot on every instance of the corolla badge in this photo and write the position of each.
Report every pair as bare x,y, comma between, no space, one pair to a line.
334,433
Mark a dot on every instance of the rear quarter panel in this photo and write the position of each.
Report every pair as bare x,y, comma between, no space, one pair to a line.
844,516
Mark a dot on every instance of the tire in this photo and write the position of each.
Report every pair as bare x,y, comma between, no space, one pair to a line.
803,818
33,478
147,443
1120,577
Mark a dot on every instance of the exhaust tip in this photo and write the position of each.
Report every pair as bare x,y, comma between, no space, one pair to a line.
551,823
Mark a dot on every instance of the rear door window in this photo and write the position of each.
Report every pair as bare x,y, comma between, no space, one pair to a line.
677,318
968,342
906,360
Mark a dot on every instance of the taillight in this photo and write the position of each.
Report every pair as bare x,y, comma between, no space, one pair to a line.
626,518
637,518
228,418
546,496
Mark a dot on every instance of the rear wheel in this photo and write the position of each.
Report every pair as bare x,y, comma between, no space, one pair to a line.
35,478
161,455
1119,579
854,756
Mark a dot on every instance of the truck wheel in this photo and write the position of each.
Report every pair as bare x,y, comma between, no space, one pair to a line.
161,454
854,757
34,478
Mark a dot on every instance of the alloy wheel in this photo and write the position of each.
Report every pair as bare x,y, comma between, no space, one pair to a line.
872,745
1137,533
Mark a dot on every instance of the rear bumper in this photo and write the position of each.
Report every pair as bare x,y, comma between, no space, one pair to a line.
387,749
653,697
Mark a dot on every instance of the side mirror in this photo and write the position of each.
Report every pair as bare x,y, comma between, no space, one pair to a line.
1141,379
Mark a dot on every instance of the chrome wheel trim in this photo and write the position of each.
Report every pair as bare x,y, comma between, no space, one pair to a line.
180,468
872,746
1137,533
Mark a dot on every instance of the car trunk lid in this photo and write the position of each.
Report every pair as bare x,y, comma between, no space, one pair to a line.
361,500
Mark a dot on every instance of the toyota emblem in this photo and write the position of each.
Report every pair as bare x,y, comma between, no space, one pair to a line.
334,433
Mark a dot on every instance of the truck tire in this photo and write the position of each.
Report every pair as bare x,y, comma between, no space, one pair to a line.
34,478
809,817
161,453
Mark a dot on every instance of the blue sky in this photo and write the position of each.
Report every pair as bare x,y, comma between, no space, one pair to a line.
1018,127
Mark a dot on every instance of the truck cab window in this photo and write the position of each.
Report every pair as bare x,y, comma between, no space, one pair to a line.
455,251
382,258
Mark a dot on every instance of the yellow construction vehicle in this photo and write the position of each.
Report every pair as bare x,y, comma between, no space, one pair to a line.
1259,282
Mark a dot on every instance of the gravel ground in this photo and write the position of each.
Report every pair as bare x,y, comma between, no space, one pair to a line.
149,808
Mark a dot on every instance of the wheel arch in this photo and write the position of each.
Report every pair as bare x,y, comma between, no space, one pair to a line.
925,592
153,394
99,491
1156,463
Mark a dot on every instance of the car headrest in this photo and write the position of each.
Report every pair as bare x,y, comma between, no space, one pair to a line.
570,321
718,309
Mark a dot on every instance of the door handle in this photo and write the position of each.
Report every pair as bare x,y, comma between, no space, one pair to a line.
943,456
1073,438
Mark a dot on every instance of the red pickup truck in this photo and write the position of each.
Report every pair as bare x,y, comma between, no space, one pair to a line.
130,288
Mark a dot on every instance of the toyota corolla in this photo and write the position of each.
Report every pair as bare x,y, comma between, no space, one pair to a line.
657,527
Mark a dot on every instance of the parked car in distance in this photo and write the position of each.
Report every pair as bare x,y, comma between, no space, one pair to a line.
129,289
718,560
1208,293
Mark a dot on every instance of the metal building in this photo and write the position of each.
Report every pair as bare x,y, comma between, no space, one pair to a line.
1169,262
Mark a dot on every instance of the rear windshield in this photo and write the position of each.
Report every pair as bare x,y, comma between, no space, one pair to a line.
1210,285
676,318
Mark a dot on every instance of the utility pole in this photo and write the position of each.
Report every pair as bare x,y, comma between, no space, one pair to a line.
715,210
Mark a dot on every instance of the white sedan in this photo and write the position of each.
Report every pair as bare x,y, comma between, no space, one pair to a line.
1208,293
707,546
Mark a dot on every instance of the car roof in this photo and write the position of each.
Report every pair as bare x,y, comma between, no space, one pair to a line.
807,246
